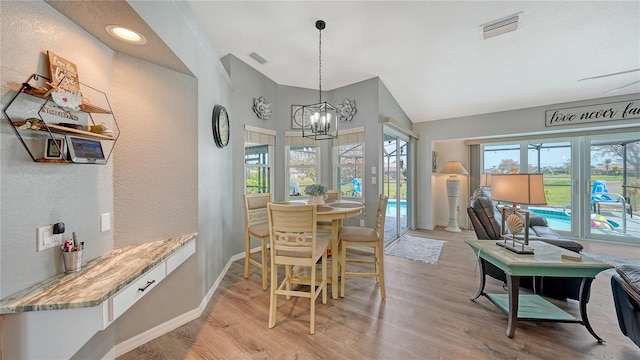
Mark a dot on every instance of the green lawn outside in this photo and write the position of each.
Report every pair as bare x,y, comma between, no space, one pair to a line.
558,189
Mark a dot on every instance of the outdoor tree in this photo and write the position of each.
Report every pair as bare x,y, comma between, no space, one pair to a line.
506,165
607,163
633,155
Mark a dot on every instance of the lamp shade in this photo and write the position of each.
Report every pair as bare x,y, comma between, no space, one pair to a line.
485,180
525,189
454,168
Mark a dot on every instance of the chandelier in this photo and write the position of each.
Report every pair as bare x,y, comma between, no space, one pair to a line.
320,121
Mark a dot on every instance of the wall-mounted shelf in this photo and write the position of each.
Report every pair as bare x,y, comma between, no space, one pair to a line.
47,120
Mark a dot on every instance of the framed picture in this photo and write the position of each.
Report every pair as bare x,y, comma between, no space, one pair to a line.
297,118
54,149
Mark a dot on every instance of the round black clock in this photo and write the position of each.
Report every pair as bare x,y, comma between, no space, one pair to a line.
220,124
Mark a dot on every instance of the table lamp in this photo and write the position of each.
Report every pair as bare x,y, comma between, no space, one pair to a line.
453,169
525,189
485,180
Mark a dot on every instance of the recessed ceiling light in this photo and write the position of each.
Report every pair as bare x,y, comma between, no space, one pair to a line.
127,35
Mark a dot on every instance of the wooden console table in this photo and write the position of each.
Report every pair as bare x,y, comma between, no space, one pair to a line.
546,261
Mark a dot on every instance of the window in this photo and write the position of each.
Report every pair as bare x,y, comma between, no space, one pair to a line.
258,150
303,167
350,169
348,159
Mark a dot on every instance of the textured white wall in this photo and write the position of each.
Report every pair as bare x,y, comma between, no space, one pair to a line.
156,168
33,194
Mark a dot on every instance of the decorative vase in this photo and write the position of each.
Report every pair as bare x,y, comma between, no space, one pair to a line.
316,200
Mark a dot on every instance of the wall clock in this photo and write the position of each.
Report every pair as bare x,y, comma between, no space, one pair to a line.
220,124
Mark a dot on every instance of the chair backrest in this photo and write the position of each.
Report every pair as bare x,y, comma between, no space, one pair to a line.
381,215
599,186
255,208
600,190
333,195
485,219
293,231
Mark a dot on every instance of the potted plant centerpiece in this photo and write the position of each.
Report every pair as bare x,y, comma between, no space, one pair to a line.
317,193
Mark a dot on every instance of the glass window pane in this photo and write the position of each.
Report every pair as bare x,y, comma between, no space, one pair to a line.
258,168
350,169
303,155
501,158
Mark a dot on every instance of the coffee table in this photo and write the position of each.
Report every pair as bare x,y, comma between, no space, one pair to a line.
546,261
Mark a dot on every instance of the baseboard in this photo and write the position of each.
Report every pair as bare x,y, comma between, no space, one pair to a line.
143,338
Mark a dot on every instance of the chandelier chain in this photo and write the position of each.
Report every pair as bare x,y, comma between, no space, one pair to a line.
320,65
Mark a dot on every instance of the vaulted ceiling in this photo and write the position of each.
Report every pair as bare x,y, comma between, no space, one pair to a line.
430,54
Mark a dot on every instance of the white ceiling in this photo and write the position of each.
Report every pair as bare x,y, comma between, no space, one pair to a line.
431,55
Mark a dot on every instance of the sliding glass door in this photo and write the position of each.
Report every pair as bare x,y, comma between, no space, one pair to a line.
613,188
591,182
396,185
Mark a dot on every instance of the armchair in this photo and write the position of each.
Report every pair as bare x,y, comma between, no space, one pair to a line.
626,298
486,221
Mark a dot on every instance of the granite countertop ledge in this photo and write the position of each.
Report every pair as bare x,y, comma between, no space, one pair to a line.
99,278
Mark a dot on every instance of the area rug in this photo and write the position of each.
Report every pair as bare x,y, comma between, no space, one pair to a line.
611,260
417,248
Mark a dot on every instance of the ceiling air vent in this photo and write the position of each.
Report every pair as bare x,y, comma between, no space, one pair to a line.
501,26
259,59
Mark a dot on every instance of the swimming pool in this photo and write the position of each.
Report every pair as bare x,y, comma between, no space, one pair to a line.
392,207
558,220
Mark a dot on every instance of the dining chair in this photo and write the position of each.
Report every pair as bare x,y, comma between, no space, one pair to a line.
256,227
352,236
294,243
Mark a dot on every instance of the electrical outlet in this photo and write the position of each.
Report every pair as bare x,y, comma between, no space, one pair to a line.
45,238
361,222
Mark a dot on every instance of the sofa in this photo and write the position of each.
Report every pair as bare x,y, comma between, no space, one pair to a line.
625,285
486,221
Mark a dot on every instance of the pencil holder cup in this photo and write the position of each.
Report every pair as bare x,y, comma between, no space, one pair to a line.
72,261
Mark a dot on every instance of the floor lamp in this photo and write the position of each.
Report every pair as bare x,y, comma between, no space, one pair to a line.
453,169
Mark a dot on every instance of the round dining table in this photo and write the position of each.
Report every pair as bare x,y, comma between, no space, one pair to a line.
334,211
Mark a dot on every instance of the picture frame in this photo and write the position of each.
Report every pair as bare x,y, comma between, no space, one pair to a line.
53,151
297,118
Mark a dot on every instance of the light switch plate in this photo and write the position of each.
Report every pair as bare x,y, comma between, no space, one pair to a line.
45,238
373,170
105,222
373,180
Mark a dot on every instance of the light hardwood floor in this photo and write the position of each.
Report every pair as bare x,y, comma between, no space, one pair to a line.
427,315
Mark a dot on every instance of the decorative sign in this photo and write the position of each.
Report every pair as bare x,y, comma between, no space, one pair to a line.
262,108
64,74
297,120
622,110
346,110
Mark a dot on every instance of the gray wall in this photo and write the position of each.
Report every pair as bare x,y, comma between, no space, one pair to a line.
373,102
166,176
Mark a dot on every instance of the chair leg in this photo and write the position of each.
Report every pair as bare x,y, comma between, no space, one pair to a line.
247,255
324,278
273,298
312,299
265,266
380,270
288,273
343,261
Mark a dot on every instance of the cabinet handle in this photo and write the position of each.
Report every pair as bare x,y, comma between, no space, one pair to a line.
146,286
